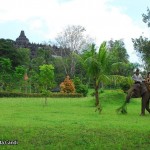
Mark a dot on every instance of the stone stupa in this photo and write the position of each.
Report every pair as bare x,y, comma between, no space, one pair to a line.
22,40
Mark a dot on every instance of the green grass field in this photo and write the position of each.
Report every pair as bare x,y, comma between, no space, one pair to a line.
72,123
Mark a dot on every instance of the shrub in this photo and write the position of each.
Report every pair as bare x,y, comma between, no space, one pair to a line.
59,95
67,86
80,88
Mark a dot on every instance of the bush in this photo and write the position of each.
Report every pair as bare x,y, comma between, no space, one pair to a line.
15,94
83,89
80,88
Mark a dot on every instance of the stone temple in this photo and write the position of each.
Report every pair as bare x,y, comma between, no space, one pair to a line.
23,42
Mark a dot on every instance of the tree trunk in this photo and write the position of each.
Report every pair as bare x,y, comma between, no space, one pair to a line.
72,66
96,94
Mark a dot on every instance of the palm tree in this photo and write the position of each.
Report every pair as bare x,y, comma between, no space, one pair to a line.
96,63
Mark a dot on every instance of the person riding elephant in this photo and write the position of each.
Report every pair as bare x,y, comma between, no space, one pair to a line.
138,86
137,77
139,89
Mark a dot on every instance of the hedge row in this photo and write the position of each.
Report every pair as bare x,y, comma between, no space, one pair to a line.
59,95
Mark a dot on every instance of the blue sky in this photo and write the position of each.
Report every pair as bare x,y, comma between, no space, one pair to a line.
133,8
42,20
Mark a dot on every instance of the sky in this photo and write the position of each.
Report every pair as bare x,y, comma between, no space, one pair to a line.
103,20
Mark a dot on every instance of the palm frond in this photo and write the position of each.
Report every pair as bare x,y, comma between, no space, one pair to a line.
102,54
104,78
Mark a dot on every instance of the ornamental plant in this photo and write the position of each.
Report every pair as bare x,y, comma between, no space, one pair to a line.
67,86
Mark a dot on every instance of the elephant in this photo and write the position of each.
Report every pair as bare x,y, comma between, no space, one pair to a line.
139,90
136,91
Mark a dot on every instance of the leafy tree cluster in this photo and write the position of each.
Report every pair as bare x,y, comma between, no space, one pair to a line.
142,44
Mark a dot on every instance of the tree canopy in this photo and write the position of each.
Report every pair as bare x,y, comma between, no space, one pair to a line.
146,17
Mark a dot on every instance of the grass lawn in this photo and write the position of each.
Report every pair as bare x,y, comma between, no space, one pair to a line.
72,123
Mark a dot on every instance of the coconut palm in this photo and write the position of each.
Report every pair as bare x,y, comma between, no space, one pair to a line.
96,63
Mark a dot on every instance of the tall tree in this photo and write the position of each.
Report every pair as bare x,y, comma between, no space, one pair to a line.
73,38
142,46
118,56
96,67
118,51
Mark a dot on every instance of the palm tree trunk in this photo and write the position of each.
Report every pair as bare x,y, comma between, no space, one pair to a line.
96,93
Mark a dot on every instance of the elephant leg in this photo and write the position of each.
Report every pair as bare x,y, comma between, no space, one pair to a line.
147,106
145,99
143,106
129,95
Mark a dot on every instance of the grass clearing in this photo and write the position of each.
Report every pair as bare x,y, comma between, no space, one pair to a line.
72,123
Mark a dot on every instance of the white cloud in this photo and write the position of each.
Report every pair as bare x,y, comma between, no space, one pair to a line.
101,20
36,24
